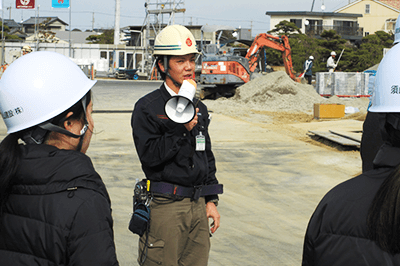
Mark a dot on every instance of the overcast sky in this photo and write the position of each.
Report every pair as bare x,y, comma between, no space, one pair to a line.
236,13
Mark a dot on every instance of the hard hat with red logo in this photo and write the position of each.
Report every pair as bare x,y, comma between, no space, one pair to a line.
175,40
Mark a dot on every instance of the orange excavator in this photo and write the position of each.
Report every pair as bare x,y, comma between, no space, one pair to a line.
228,71
280,43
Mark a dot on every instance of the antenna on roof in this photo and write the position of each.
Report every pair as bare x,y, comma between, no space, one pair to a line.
312,7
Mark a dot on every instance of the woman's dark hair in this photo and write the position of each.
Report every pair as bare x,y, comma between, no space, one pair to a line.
10,153
384,214
383,219
77,111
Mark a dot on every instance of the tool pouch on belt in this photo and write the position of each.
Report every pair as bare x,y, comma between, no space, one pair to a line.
140,219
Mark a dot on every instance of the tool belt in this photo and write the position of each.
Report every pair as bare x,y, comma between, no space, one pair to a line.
188,192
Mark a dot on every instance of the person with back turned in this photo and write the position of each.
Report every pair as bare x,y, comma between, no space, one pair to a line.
54,206
357,222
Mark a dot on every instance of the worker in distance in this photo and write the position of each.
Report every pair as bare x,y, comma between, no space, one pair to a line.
307,67
177,161
330,63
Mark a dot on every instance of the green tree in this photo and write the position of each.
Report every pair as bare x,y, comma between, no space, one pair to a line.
369,53
355,58
107,37
8,36
285,28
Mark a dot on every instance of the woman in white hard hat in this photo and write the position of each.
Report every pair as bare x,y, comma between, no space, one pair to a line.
54,207
358,221
177,161
371,139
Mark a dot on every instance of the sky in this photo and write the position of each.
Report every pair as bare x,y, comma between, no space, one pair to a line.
249,14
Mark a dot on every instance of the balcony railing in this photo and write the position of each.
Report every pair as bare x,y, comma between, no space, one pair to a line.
345,32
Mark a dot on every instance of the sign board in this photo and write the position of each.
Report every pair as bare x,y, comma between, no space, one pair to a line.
25,4
60,3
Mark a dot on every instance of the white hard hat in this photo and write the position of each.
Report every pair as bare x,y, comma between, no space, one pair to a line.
333,53
311,57
27,48
397,31
386,96
175,40
39,86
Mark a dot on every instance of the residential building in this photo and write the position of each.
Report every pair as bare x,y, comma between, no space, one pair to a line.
15,29
314,23
45,23
376,15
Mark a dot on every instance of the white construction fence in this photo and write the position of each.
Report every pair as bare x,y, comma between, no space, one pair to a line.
342,84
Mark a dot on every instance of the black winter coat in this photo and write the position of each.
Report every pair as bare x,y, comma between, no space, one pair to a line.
337,232
58,213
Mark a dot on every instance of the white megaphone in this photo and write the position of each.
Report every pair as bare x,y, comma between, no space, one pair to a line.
180,107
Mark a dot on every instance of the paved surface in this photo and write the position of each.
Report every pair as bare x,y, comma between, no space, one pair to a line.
272,181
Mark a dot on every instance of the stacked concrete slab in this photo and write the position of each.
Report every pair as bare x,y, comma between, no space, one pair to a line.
342,84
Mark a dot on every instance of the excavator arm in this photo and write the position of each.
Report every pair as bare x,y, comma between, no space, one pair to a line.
280,43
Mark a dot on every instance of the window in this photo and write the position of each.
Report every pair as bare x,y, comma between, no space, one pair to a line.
297,22
121,59
110,59
129,61
103,54
367,9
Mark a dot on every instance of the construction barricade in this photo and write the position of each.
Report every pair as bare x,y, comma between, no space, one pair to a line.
342,84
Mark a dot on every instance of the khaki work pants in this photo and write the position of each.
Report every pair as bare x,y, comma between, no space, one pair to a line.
178,235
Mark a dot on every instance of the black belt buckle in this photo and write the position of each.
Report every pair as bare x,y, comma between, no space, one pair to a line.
196,192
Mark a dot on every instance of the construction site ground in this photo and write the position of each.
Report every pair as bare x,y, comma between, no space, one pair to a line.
274,173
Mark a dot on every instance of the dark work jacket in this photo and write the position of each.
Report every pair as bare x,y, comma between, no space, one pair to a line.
58,213
167,149
307,66
337,232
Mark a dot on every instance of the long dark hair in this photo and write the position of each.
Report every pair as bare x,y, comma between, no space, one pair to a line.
384,214
383,219
10,153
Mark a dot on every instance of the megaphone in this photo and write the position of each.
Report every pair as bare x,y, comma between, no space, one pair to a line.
180,108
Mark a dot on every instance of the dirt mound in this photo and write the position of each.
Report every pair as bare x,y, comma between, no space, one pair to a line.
276,92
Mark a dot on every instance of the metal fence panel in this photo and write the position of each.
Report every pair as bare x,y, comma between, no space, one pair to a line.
344,84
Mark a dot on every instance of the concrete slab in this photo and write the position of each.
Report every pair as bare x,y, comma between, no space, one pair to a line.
337,138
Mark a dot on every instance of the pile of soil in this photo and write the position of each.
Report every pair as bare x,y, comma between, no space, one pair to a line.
260,99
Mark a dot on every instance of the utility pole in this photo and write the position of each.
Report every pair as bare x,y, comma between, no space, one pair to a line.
93,21
9,8
155,11
117,18
70,10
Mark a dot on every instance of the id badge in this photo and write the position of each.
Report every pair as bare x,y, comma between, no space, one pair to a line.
200,142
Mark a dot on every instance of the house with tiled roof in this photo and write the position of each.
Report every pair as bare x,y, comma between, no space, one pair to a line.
315,23
393,3
376,15
46,23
